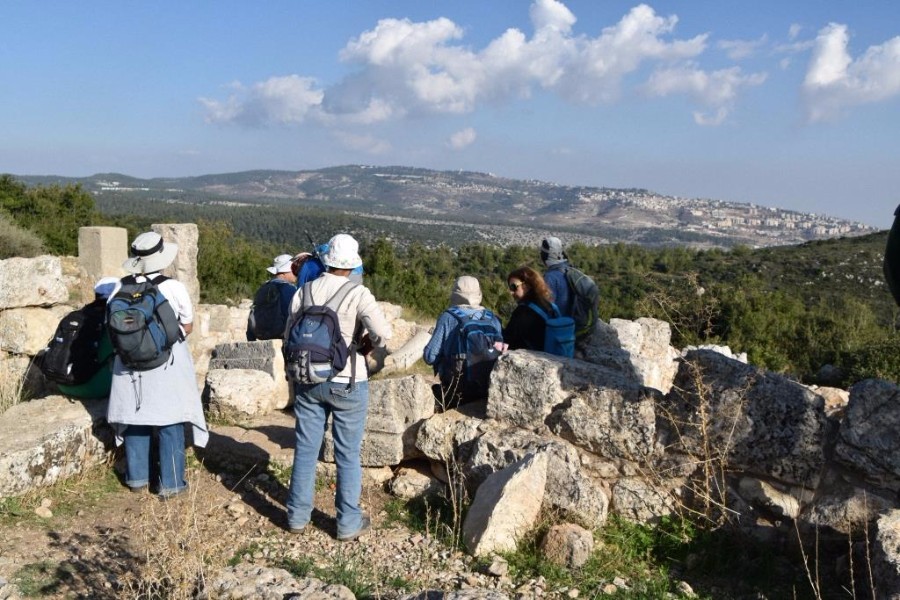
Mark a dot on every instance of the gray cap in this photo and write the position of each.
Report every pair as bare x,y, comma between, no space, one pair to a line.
552,251
466,290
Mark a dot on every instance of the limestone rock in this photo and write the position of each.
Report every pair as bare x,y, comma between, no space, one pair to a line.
397,408
527,386
251,582
886,556
506,506
754,420
640,501
241,393
27,330
184,267
31,282
569,487
567,545
47,440
640,348
869,436
415,482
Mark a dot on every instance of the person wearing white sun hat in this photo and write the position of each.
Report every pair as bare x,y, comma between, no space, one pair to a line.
346,402
159,402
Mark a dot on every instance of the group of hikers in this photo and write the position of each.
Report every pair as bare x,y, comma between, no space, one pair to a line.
317,304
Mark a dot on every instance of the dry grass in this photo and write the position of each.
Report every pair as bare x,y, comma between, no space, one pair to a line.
11,384
177,557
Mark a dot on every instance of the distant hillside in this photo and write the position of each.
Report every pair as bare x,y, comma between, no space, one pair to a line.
491,205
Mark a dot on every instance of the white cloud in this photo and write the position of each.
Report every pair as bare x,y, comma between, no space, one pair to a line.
741,49
462,138
835,81
716,90
279,100
794,30
404,68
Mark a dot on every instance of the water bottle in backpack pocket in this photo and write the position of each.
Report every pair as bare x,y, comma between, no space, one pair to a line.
315,350
473,352
559,331
142,324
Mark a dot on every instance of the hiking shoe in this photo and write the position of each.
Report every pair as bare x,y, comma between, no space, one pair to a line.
139,489
299,529
169,494
364,526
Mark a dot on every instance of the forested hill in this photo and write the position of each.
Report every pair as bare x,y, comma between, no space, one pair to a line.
493,209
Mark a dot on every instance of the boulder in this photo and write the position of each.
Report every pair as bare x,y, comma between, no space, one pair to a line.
264,356
397,408
448,435
570,488
235,394
869,436
728,412
640,501
506,506
637,348
252,582
567,545
48,440
526,387
415,482
27,330
184,267
31,282
886,556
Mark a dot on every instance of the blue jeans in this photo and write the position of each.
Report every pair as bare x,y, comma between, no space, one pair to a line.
171,457
312,405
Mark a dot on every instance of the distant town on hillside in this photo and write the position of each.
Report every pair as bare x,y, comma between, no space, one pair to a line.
501,209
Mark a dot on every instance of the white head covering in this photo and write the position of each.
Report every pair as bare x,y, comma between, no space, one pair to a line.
281,264
552,251
343,253
149,254
466,290
105,286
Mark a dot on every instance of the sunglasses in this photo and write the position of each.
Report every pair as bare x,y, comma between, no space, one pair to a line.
514,286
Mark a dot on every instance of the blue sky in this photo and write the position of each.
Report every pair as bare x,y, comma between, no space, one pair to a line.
791,104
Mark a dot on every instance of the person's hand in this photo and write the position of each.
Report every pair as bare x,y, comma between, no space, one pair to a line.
366,345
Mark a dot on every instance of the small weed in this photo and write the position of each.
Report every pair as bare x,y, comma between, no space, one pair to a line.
346,571
242,552
280,472
298,567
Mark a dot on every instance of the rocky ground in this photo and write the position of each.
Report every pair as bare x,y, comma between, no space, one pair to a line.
95,539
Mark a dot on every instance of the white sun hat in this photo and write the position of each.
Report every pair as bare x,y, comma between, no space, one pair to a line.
149,254
343,253
281,264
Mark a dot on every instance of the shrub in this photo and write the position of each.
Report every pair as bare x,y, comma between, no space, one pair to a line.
17,241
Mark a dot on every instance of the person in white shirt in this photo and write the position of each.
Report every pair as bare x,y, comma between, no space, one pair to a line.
345,397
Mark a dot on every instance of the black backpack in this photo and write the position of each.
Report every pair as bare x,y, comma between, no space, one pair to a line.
892,258
315,350
70,357
142,324
472,351
267,320
585,300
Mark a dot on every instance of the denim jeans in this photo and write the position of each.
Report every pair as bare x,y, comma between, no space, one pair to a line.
138,446
312,405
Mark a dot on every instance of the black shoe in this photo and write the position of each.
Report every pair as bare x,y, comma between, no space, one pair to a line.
364,526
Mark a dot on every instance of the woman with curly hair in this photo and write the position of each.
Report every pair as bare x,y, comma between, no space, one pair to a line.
525,329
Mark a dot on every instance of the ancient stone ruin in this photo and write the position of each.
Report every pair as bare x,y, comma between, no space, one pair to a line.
638,428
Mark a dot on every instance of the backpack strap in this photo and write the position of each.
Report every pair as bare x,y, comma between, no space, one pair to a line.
540,311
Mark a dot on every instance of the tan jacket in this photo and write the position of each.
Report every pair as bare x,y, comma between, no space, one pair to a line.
359,305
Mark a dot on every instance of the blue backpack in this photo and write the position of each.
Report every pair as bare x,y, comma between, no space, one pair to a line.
559,331
315,350
472,352
142,324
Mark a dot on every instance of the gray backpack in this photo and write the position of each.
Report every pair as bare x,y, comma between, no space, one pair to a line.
585,300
